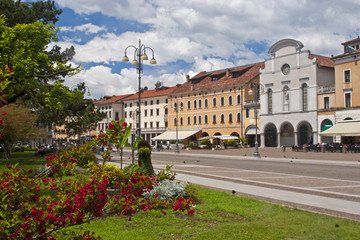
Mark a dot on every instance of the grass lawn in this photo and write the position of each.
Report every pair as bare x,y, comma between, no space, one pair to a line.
218,216
26,160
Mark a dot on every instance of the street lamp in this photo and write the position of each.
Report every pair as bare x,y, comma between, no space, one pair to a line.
255,86
176,108
139,57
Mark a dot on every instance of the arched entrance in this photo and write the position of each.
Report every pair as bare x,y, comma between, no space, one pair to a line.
305,135
270,135
287,136
204,134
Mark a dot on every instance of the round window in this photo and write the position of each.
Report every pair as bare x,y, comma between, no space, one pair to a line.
285,69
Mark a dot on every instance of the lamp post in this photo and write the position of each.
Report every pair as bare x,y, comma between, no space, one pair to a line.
176,107
251,92
139,57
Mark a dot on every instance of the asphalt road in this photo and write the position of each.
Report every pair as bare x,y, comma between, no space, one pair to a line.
302,169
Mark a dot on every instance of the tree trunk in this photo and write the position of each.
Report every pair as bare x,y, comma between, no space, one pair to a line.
7,150
121,158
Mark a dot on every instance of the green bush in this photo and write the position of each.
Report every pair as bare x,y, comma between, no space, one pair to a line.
111,172
172,142
191,191
205,142
231,142
190,145
145,161
84,157
18,149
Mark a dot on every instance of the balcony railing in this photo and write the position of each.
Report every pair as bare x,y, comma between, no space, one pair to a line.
326,89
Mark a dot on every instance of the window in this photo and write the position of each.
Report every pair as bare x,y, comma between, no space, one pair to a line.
109,114
199,119
206,103
304,91
116,116
214,102
181,121
200,104
347,76
194,120
145,103
145,112
125,105
137,103
130,104
157,112
166,111
151,102
214,79
166,100
145,124
247,113
230,118
326,103
222,118
195,104
230,100
206,119
222,101
270,108
189,104
125,115
214,118
181,105
188,121
130,113
151,112
348,100
166,124
238,117
151,124
157,101
157,124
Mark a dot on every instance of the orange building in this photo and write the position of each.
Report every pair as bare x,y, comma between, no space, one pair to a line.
215,104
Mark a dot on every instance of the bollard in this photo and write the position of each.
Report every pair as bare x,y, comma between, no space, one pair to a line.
283,148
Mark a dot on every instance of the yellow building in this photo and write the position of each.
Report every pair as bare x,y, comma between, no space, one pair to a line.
347,93
215,104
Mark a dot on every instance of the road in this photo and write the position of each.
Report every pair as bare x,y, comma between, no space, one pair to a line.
287,167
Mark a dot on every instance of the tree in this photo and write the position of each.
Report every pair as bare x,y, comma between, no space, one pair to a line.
63,106
20,12
18,125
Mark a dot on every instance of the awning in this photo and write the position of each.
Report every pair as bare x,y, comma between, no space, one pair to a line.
171,135
252,131
346,128
227,137
206,138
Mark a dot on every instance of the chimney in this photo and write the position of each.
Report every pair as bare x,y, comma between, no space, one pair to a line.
227,72
187,78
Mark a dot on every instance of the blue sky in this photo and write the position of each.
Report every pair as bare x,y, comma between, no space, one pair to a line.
190,36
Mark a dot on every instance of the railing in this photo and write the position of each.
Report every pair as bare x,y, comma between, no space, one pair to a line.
326,89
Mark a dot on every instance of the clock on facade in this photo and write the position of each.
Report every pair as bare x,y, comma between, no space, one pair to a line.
285,69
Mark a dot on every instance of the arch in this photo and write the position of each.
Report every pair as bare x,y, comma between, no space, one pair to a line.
287,136
305,135
285,43
195,105
214,102
217,134
222,101
347,119
230,100
236,134
270,135
204,134
326,124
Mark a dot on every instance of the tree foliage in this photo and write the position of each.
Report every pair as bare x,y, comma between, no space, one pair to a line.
18,125
26,12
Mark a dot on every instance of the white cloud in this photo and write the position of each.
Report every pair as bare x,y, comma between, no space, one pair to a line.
206,34
88,28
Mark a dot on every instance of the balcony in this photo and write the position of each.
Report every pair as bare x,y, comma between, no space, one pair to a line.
251,104
326,89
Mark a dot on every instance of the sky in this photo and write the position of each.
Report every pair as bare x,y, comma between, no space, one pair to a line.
190,36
